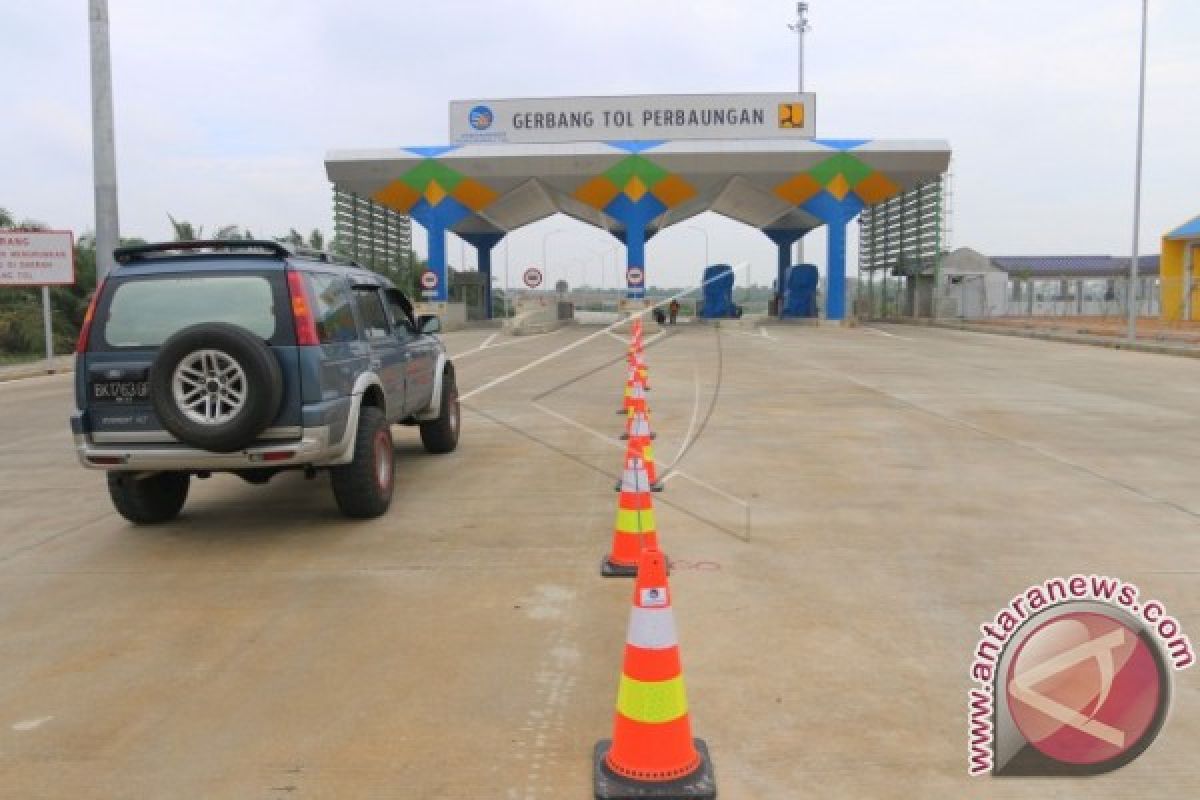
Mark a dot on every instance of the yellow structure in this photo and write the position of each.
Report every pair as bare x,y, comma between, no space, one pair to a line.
1180,273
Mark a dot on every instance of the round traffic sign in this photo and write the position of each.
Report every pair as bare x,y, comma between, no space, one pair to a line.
532,277
634,276
429,280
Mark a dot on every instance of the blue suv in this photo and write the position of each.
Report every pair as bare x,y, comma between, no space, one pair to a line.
251,358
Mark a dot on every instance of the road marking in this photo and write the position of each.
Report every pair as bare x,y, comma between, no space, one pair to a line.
488,341
869,329
687,437
31,724
766,335
516,340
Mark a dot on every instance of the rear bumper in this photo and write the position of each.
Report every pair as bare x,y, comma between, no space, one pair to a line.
315,447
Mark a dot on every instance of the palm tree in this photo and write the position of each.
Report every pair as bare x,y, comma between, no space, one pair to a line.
293,238
316,240
184,230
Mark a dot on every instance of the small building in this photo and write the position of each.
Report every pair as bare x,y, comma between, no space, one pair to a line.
1180,264
972,287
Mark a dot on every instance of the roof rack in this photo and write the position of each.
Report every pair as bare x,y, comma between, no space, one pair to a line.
324,256
124,255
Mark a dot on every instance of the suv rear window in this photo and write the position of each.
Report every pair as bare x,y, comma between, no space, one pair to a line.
146,312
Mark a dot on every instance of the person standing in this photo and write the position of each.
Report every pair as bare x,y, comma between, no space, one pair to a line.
673,310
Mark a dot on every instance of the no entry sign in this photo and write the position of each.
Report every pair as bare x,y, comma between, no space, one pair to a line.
532,277
429,280
634,276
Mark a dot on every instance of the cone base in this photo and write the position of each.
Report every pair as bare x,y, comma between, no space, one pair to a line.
610,569
700,785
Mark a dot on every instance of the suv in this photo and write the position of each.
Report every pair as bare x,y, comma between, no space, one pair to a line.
251,358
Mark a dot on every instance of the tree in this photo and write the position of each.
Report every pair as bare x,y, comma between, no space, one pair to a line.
316,240
293,238
6,219
184,230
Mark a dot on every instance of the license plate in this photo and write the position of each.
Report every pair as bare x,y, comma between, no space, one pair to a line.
123,392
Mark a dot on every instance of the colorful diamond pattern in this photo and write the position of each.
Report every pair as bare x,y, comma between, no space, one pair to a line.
840,181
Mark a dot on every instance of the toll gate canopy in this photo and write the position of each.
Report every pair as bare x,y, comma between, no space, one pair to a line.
760,164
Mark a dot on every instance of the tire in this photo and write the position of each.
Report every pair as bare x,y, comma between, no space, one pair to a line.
223,417
441,435
151,500
363,488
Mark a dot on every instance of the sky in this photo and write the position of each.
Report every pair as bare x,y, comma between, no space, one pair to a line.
224,112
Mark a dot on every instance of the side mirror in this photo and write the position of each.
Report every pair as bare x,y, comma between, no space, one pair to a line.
428,323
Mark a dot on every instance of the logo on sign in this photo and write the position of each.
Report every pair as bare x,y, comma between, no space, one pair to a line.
481,118
634,276
791,115
429,280
533,277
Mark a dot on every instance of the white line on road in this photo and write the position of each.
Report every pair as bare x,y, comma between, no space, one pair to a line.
489,340
869,329
31,724
516,340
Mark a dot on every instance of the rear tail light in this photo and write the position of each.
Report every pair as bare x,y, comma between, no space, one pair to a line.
306,326
85,330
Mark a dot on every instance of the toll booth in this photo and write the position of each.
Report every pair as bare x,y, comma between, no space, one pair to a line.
718,293
800,291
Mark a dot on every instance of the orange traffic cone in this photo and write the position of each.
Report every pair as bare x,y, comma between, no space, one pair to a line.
643,372
638,433
635,397
634,529
640,447
628,402
652,753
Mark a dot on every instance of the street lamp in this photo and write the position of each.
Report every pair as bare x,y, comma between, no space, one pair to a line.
1137,184
800,27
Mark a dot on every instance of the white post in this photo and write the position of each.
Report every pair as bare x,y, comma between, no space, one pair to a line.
104,157
800,28
1137,184
47,329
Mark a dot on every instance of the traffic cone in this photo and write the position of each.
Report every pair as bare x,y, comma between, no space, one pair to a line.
633,398
652,753
634,529
640,447
637,364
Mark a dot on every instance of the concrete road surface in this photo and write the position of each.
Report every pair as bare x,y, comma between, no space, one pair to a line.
847,507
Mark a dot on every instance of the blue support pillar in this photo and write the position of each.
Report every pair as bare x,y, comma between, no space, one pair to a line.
835,284
483,244
635,257
437,263
783,238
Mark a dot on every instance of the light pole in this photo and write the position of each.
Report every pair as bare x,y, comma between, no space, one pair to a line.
800,27
1137,184
104,156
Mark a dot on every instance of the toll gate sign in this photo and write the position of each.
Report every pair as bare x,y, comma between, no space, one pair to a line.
37,258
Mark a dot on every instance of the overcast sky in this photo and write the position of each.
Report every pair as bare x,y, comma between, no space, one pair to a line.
225,111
